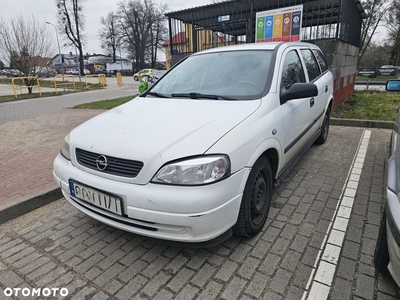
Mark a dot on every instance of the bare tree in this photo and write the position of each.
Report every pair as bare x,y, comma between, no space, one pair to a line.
393,27
142,28
375,56
375,10
71,23
158,32
25,43
110,34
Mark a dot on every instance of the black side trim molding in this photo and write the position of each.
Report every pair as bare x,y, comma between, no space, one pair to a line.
296,158
298,138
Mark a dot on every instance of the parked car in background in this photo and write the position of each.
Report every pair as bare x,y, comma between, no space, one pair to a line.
47,72
13,73
86,72
143,73
101,71
196,156
387,250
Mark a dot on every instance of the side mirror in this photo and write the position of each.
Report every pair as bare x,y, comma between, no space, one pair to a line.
393,85
298,91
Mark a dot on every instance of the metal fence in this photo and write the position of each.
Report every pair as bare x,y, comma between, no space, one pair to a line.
233,22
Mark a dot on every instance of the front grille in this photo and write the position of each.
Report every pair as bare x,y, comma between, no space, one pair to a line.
115,166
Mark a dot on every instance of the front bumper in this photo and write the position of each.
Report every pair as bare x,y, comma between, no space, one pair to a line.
393,234
183,214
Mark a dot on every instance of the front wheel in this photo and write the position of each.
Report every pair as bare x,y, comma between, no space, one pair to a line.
135,78
256,200
324,130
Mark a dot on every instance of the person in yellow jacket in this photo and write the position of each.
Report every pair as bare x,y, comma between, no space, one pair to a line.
143,85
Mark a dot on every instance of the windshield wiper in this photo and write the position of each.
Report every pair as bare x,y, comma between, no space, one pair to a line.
194,95
159,95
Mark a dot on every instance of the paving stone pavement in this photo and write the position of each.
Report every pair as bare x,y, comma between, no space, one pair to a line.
27,150
56,246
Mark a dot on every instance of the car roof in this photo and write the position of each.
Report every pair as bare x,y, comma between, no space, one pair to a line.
259,46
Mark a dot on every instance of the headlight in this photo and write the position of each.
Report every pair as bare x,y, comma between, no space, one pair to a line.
196,171
65,148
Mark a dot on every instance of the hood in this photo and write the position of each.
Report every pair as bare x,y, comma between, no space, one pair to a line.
157,130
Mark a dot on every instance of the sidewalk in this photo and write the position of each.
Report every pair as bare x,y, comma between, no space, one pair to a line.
31,135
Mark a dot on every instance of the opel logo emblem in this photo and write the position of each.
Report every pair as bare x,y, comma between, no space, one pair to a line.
101,162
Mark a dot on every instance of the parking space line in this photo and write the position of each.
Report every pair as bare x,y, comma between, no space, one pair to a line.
327,259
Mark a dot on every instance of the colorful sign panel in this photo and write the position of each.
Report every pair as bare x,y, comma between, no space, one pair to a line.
279,25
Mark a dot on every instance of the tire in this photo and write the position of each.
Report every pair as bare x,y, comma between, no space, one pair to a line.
324,129
135,78
256,200
381,254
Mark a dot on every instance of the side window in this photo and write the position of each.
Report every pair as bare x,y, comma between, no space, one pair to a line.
321,60
292,70
311,64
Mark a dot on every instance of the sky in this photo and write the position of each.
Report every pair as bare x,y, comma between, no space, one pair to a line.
45,10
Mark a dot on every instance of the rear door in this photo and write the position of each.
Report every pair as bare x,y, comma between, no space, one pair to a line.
321,78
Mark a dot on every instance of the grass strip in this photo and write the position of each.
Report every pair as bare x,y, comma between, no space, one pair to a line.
369,105
105,104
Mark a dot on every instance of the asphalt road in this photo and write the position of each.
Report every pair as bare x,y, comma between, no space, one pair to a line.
24,109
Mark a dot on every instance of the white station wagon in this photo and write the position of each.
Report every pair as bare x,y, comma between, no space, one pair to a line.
195,157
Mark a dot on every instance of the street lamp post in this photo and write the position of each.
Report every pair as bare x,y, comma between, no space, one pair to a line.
58,43
59,50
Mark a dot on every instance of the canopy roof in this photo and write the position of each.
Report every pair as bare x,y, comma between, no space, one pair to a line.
315,12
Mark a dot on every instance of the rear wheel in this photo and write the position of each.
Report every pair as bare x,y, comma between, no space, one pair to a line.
381,255
324,129
256,200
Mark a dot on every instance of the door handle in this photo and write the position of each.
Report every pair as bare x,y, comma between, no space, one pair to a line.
312,102
326,89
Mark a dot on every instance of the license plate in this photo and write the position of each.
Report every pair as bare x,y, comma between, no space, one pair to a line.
100,199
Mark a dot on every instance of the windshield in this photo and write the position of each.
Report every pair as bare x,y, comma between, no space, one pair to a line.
219,75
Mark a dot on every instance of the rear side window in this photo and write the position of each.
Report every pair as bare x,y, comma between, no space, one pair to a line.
321,60
293,71
311,64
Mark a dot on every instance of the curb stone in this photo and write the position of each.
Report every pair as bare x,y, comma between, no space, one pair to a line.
29,205
362,123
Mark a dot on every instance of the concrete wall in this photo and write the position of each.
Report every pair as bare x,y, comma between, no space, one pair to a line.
342,60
